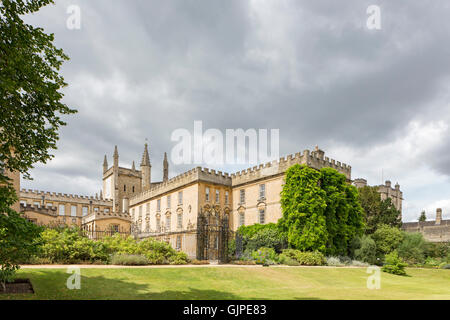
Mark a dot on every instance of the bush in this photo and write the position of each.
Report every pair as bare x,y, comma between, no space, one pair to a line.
304,258
265,256
334,261
412,248
179,258
262,235
129,259
437,250
394,264
70,246
387,239
365,249
357,263
446,266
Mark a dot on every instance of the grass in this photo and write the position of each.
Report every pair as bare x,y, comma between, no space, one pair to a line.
212,283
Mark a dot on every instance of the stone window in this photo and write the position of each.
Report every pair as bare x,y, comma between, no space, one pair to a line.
226,197
242,196
262,191
158,205
49,205
178,246
73,211
85,211
133,189
147,209
24,203
147,226
36,204
124,188
107,210
168,201
168,222
262,216
241,219
217,196
140,211
180,197
158,224
96,209
62,209
207,194
180,220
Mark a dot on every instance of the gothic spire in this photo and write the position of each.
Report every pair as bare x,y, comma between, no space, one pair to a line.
165,168
145,157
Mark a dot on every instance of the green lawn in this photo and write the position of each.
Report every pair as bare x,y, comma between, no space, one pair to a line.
235,283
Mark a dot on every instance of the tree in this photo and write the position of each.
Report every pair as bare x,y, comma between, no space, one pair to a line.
321,211
29,89
378,212
343,213
303,204
387,239
422,217
30,99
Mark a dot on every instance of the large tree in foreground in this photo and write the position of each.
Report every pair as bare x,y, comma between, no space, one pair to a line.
30,89
31,107
321,211
378,212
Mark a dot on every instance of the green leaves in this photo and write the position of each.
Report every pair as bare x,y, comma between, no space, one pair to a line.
321,211
30,88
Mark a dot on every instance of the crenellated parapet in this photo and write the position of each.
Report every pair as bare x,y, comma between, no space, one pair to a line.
314,159
102,215
193,175
51,211
37,195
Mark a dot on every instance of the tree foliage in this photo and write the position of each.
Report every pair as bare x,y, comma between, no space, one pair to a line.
422,217
30,99
378,212
30,87
321,211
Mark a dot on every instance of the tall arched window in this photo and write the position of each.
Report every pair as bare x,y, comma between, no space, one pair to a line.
241,219
262,216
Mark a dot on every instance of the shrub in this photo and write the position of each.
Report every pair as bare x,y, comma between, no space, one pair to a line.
262,235
334,261
446,266
265,256
365,249
437,250
357,263
18,241
179,258
308,258
387,239
394,264
129,259
412,248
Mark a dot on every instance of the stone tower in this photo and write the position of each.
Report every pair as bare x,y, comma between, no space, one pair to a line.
146,169
438,216
165,168
116,199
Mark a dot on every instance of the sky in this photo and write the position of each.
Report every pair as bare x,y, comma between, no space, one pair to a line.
376,99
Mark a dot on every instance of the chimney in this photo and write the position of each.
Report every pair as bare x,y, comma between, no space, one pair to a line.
438,216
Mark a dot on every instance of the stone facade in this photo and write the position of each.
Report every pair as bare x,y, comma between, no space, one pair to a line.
386,191
434,231
169,210
51,208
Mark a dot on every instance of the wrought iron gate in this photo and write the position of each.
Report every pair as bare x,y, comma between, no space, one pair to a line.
213,233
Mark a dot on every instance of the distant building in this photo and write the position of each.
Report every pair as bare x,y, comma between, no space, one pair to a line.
386,191
437,230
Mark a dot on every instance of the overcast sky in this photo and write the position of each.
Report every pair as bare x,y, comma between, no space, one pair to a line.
377,100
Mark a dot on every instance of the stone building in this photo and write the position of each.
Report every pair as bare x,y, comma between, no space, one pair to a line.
386,191
169,210
437,230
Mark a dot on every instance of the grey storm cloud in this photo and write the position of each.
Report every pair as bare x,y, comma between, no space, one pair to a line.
141,69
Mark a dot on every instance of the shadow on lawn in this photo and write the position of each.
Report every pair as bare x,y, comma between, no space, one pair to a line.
52,285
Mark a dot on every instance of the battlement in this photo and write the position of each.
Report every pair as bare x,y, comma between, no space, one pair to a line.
62,197
196,174
314,159
106,215
42,210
